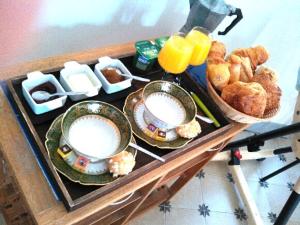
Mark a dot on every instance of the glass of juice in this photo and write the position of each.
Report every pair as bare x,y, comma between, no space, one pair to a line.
175,55
201,41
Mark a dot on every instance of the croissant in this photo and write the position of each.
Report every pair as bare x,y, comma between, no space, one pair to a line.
257,55
246,71
234,68
217,50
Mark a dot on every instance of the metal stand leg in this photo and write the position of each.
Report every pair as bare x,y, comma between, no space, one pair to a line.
289,206
237,173
280,170
258,140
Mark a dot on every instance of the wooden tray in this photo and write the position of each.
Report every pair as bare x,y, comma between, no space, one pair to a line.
75,195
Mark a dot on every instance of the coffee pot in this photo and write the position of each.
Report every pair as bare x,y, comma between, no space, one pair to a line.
209,14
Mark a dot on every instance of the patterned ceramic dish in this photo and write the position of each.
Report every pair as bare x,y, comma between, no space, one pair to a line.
54,140
167,105
96,130
107,86
133,104
37,78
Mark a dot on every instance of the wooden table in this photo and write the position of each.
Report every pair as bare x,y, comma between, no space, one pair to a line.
34,192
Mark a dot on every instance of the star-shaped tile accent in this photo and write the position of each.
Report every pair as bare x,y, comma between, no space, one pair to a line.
230,178
165,207
282,157
291,186
201,174
240,214
264,184
272,217
204,210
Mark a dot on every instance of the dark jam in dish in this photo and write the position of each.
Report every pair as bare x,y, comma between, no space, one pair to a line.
112,74
47,86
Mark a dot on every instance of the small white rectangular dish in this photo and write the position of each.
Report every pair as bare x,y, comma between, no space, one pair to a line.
35,79
79,77
107,86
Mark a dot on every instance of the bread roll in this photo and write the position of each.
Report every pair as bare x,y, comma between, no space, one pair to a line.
268,73
218,72
217,50
249,98
268,82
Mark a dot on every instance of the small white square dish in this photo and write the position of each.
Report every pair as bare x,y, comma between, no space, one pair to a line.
38,79
107,63
79,77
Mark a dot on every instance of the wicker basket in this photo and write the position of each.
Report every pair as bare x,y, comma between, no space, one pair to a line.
235,115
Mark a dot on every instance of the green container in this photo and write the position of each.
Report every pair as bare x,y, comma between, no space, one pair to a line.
160,42
146,55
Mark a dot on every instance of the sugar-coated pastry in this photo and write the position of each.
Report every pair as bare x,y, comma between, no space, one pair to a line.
121,164
249,98
268,82
266,73
189,130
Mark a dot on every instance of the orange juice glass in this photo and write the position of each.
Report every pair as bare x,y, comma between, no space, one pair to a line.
176,54
199,38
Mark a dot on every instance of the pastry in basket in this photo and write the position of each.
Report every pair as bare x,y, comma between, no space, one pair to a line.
234,68
217,50
249,98
218,72
257,55
265,71
246,71
189,130
121,164
267,80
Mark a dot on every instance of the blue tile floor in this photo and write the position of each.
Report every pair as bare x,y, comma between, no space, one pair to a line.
210,198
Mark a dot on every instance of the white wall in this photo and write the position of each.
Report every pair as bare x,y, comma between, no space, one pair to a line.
64,26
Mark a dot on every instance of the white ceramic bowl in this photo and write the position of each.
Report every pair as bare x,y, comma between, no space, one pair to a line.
107,86
73,68
36,78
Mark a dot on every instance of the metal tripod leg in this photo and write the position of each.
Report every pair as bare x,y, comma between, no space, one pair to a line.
289,206
281,170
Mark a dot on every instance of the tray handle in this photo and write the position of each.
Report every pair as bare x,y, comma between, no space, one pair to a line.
123,200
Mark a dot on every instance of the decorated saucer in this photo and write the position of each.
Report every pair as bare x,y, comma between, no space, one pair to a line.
95,173
133,109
